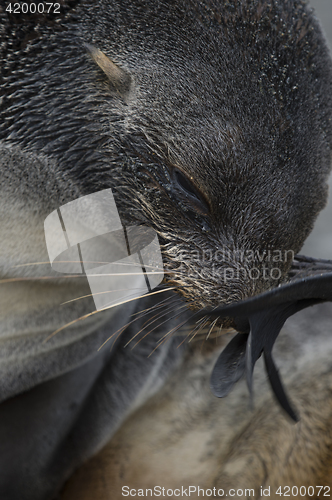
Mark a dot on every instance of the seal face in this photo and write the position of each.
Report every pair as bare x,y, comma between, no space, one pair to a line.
215,131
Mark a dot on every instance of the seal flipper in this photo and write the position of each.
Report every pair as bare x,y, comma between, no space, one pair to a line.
229,367
277,386
265,328
266,314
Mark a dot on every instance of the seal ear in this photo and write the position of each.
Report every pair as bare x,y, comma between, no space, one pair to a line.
119,78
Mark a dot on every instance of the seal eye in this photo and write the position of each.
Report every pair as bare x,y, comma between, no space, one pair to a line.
192,194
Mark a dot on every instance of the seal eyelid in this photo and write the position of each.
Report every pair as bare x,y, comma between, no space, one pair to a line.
189,189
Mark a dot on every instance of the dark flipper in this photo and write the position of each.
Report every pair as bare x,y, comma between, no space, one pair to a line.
277,386
310,283
229,367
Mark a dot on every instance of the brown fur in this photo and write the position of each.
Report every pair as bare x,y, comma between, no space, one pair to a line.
185,436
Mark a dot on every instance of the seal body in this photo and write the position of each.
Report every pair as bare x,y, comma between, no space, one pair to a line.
184,438
211,122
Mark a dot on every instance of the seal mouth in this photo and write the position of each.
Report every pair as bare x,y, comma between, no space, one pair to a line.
260,319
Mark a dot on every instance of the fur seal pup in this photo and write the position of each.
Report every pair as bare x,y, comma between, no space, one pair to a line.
211,122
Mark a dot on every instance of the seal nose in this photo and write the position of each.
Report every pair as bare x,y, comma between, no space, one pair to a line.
248,278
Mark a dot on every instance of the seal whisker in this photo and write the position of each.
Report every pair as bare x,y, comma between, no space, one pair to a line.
212,326
158,326
199,328
156,306
97,293
139,315
39,278
120,330
100,310
173,330
152,320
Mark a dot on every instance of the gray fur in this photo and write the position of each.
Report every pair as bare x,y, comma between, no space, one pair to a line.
235,95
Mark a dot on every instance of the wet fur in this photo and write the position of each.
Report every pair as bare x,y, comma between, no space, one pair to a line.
238,101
